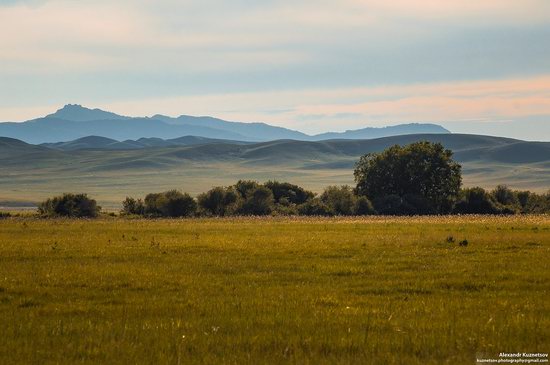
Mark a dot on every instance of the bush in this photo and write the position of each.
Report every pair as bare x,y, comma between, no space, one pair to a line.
363,206
523,198
69,205
285,193
131,206
244,187
258,201
171,203
537,203
314,207
218,201
4,215
505,196
477,201
339,199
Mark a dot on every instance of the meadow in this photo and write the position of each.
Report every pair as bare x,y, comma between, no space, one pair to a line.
373,290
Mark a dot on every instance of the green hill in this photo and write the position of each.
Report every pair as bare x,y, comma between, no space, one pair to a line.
31,172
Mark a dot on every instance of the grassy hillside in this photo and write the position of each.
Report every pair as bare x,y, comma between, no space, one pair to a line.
32,173
259,291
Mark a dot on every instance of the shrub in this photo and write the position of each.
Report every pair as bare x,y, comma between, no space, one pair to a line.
243,187
339,199
537,203
287,210
314,207
505,196
258,201
363,206
218,201
69,205
284,193
131,206
171,203
477,201
523,198
4,215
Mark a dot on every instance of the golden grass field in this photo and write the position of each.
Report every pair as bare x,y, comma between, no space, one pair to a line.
273,290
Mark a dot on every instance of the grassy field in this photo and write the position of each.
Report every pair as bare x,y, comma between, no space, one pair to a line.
253,291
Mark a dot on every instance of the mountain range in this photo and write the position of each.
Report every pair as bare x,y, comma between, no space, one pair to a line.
466,148
109,170
74,121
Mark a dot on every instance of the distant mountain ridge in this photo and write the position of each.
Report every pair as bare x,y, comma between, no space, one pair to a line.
466,148
198,164
74,121
78,113
103,143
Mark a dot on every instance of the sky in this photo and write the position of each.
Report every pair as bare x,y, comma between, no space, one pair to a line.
473,66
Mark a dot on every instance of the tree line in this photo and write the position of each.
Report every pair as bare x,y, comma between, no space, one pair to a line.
417,179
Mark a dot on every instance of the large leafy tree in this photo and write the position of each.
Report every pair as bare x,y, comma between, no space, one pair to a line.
420,172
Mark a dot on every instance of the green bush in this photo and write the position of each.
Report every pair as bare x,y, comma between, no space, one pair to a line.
171,203
4,215
285,193
537,203
69,205
363,206
314,207
339,199
244,187
218,201
477,201
258,201
507,198
131,206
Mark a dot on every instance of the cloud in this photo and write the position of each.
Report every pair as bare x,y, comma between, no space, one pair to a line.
320,64
317,110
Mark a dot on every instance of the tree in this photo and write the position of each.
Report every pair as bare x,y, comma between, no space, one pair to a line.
339,199
243,187
70,205
314,207
131,206
477,201
285,193
258,201
423,170
218,201
505,196
363,206
171,203
523,198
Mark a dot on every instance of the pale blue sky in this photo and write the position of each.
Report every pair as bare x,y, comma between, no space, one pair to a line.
473,66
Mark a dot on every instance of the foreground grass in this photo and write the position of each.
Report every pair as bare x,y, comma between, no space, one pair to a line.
383,291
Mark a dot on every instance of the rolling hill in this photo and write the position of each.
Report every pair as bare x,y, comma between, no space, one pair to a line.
74,121
109,172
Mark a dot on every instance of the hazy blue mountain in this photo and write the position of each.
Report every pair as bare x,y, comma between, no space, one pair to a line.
79,113
395,130
51,130
260,131
103,143
74,121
